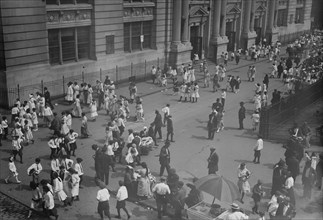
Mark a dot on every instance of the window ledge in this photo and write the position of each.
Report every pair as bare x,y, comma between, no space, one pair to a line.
68,7
138,4
68,64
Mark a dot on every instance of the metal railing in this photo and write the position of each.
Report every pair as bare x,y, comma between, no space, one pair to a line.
57,88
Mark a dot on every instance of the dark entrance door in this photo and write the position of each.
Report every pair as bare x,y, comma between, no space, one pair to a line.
258,32
196,41
232,39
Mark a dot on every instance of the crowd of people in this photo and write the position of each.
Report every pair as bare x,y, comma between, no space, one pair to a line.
67,171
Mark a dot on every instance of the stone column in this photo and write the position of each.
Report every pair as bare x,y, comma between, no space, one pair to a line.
252,17
216,19
176,31
223,17
247,11
185,13
271,31
276,13
271,15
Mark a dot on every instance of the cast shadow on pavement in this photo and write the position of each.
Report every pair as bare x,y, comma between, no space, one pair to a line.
87,217
100,141
269,165
243,161
314,206
204,127
88,181
199,137
8,151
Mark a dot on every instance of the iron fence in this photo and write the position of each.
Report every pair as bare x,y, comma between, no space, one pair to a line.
57,88
274,117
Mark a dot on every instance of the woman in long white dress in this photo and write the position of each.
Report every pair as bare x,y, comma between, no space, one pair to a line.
243,184
75,184
69,95
77,110
90,94
58,188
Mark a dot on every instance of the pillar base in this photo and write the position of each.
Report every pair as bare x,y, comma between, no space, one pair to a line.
180,53
217,46
272,35
249,39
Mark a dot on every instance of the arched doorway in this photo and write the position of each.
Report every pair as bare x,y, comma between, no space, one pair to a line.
196,41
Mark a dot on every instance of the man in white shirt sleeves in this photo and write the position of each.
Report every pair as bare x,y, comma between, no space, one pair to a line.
122,195
103,197
259,146
161,191
49,203
34,170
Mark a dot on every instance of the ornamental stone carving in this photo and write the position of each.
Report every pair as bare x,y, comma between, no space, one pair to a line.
68,16
136,12
52,17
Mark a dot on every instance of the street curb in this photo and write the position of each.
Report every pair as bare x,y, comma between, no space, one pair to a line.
41,214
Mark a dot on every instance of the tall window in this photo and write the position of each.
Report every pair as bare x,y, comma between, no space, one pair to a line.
137,36
282,17
299,15
68,44
58,2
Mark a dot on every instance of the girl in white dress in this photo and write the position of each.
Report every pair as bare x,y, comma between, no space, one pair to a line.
90,94
77,110
58,188
34,119
93,110
28,133
69,95
75,184
195,93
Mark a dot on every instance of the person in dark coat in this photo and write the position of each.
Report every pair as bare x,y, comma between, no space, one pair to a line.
213,161
217,106
266,80
319,172
285,210
293,166
56,125
257,194
151,133
212,124
179,200
195,196
278,176
280,70
170,129
47,97
164,158
242,115
158,122
308,179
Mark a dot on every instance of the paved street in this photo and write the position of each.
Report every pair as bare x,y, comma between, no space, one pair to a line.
188,154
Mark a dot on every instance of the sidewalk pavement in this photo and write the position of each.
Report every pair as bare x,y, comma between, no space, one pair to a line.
87,194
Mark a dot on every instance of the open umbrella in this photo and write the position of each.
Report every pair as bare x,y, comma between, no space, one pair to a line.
219,187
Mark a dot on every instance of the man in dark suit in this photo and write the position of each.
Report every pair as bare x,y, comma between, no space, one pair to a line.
158,122
211,125
170,129
242,115
213,161
164,158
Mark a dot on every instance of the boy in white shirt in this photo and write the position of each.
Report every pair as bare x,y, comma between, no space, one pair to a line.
122,195
13,171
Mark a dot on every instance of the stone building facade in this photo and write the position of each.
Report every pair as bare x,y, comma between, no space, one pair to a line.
44,40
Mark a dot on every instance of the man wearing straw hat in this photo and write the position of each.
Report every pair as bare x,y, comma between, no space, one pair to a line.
236,213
